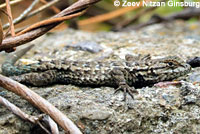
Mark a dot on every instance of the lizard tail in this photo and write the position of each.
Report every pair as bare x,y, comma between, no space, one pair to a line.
12,58
8,67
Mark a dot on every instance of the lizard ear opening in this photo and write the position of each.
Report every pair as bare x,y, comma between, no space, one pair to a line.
129,57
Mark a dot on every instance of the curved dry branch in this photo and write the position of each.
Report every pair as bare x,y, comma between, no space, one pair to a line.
39,102
23,15
77,7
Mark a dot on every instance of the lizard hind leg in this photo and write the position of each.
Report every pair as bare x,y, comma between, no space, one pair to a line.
120,76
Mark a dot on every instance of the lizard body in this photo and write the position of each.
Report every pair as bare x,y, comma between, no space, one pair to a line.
122,74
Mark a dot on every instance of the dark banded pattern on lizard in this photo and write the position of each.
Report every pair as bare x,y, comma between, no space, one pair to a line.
135,72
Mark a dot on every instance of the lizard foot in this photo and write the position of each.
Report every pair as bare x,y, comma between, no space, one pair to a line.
127,90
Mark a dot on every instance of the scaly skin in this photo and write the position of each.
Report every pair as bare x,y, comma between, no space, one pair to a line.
134,71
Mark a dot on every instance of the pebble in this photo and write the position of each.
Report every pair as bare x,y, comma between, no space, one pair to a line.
89,46
194,62
96,114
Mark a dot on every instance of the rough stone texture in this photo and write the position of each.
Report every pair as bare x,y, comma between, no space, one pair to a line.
171,109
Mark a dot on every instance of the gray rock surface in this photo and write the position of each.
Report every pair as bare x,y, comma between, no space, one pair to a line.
171,109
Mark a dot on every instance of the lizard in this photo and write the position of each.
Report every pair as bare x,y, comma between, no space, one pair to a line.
125,75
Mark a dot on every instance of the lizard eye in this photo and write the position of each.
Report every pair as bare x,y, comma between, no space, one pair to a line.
170,63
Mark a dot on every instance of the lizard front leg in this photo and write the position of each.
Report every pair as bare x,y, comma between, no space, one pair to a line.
121,77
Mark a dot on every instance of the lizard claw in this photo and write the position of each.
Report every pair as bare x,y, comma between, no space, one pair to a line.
127,90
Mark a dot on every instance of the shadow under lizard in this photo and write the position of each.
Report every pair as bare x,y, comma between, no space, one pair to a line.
126,75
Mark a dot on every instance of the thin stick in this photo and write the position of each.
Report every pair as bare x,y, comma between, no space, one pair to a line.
33,119
22,15
4,12
53,126
39,102
11,42
11,3
1,33
10,18
184,15
55,9
125,23
17,111
110,15
49,21
41,8
43,128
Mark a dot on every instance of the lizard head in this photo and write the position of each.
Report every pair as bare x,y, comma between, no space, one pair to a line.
168,68
158,70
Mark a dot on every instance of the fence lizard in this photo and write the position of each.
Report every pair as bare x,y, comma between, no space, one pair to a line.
136,72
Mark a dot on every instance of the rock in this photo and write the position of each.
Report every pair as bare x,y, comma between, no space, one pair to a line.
194,76
89,46
96,113
171,109
194,62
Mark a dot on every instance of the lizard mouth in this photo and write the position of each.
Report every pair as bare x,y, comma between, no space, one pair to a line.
182,70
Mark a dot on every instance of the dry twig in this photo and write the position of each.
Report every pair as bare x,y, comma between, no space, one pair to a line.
27,14
10,17
43,8
1,33
53,125
33,119
155,19
55,9
17,111
125,23
76,8
23,15
50,21
39,102
11,3
111,15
